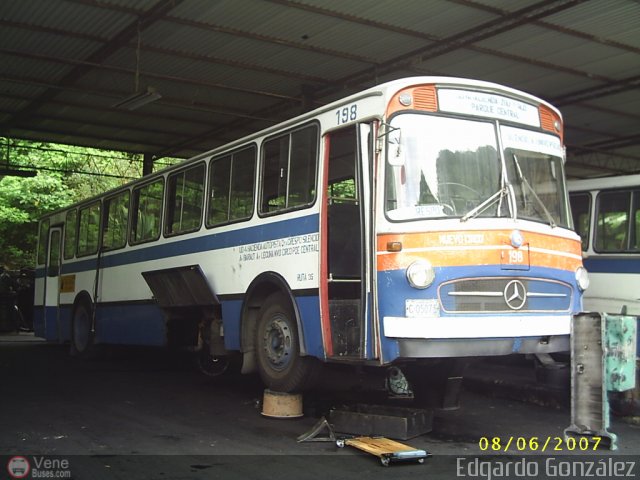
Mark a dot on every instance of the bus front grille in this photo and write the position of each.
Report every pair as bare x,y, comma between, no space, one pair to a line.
505,294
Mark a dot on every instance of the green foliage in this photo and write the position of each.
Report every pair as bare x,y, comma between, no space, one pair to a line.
66,174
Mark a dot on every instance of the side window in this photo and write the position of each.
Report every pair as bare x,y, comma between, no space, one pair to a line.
53,267
89,229
581,212
70,233
219,184
275,158
147,212
302,167
43,239
289,166
231,187
613,221
184,200
634,244
114,233
243,176
342,167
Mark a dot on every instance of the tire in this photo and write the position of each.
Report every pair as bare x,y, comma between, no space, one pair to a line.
216,367
82,338
277,346
17,319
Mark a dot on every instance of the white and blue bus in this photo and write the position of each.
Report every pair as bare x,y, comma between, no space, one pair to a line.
606,212
417,222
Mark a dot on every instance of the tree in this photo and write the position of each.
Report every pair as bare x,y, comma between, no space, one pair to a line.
66,174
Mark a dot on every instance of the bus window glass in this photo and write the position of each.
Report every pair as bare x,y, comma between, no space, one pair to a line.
114,234
581,211
635,218
70,233
613,221
219,191
274,174
53,267
184,202
89,229
302,174
147,209
242,184
535,171
231,186
43,238
289,170
442,173
341,185
538,185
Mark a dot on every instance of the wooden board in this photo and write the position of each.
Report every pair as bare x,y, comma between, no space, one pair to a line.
387,450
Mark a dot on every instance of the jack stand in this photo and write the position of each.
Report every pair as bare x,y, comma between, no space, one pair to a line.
312,435
603,353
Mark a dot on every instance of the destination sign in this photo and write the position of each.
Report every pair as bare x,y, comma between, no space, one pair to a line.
487,105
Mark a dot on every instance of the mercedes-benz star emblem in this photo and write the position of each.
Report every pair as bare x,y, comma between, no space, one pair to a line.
515,294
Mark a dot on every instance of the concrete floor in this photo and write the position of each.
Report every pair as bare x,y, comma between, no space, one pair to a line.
145,413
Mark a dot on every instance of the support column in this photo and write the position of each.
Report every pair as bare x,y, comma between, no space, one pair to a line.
147,164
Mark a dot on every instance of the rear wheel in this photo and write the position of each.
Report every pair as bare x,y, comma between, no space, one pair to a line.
82,338
278,349
211,365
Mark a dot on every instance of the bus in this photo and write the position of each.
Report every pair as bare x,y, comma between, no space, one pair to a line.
606,212
404,229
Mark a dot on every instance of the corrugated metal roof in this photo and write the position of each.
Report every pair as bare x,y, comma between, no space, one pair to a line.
72,16
223,66
615,20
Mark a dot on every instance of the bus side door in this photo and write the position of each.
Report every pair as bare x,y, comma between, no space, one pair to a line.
346,282
52,285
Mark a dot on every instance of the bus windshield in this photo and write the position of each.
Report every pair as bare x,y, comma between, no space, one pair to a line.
534,169
448,167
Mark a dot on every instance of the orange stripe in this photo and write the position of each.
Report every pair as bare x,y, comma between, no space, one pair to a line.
462,248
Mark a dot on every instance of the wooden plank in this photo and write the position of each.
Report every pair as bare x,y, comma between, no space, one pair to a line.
378,446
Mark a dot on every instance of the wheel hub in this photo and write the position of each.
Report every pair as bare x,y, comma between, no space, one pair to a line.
277,343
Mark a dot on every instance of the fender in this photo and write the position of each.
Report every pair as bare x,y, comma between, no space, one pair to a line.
260,288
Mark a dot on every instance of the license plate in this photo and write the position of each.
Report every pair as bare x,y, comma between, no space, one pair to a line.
422,308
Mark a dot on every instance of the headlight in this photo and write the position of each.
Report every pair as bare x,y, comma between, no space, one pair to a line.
420,274
582,278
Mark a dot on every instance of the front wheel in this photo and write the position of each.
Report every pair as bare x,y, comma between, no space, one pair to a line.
278,349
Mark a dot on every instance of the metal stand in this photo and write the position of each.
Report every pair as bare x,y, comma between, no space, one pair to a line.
603,352
313,434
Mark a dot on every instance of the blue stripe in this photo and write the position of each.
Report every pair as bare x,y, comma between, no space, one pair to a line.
612,265
200,243
394,289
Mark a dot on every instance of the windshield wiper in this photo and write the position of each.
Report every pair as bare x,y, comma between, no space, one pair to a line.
486,204
525,182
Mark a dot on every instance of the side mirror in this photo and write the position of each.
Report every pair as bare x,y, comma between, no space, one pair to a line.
395,151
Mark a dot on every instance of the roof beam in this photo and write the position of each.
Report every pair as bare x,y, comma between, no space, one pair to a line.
611,88
493,27
170,78
465,38
172,53
237,33
144,20
194,106
552,26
